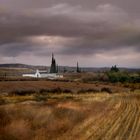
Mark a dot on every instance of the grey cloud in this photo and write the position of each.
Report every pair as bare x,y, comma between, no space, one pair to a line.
90,47
15,49
105,27
129,5
62,20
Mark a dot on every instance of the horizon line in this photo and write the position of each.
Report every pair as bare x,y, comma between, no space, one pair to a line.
71,66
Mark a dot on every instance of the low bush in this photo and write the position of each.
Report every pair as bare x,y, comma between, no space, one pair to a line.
67,91
106,89
60,90
91,90
56,90
22,92
44,91
123,77
39,91
118,77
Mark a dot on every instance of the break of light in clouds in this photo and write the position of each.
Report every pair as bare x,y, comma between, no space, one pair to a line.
95,33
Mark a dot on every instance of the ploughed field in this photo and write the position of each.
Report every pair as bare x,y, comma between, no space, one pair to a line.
100,116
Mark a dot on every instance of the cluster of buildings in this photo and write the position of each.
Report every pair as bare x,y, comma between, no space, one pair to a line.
52,74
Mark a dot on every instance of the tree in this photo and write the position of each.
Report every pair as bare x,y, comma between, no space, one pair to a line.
114,69
78,69
53,68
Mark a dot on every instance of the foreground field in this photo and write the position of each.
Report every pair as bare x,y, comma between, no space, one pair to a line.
71,117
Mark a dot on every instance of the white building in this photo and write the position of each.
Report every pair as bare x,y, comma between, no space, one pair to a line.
44,74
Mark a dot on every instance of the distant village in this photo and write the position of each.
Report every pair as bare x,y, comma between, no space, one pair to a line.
52,73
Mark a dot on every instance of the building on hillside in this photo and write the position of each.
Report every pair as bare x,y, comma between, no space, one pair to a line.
53,74
44,74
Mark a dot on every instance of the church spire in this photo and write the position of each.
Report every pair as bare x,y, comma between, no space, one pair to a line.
53,65
77,69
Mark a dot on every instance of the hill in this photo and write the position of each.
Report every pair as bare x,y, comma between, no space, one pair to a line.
66,68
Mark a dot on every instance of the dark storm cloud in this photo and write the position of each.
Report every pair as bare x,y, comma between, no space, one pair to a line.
90,47
94,26
15,49
62,20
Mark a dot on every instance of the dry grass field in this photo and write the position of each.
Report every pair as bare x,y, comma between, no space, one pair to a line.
71,117
37,86
58,110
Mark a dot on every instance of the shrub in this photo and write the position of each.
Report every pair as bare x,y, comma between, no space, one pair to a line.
22,92
88,90
105,89
113,77
118,77
114,69
44,91
67,91
56,90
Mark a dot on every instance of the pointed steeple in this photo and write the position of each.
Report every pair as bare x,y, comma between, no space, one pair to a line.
77,69
53,65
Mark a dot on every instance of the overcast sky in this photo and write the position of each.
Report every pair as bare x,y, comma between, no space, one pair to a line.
95,33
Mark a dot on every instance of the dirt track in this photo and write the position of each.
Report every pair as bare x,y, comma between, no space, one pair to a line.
121,122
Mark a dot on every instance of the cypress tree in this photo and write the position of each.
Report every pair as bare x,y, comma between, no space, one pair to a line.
78,69
53,68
